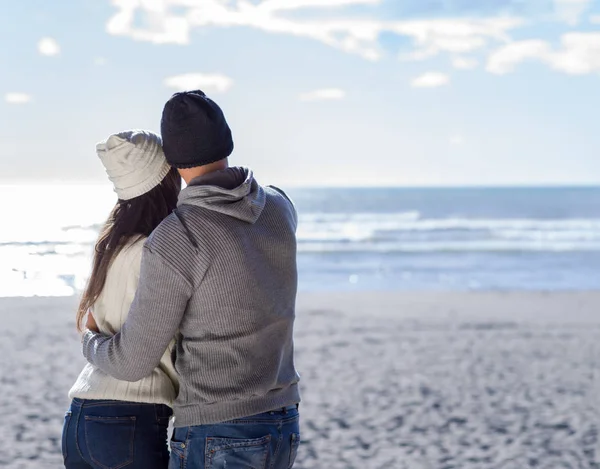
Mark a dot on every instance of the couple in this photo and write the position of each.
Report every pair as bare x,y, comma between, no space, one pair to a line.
190,308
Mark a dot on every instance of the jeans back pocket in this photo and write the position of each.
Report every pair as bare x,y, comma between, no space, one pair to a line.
295,444
110,440
65,435
237,452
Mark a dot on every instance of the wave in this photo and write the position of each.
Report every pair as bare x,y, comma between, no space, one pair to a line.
388,228
412,221
374,232
449,247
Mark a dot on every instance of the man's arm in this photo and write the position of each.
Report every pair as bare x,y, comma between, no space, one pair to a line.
154,318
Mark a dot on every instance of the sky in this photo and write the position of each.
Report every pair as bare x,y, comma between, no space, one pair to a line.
317,92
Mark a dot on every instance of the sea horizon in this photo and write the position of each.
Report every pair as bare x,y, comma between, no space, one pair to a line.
334,186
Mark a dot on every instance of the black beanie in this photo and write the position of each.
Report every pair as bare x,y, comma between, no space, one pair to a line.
194,130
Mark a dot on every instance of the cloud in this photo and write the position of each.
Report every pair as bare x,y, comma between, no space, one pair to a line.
159,24
457,140
18,98
325,94
431,80
161,28
49,47
215,82
505,59
570,11
454,35
464,63
578,54
100,61
278,5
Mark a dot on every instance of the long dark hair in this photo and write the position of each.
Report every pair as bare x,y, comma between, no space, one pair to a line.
129,220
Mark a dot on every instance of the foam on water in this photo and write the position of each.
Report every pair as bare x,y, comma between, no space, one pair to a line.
400,232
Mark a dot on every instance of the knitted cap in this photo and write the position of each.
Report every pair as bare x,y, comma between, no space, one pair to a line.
194,130
134,161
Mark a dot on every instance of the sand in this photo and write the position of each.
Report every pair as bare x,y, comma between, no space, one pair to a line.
394,380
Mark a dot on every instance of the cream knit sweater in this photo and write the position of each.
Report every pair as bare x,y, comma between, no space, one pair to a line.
110,312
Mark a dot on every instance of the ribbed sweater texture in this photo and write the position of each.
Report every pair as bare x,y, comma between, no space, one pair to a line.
220,276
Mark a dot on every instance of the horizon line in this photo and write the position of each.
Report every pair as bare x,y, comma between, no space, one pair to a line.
336,186
557,185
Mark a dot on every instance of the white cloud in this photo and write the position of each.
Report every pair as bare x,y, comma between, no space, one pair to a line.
48,46
578,54
464,63
278,5
325,94
208,82
160,27
506,58
355,36
18,98
431,80
457,140
458,36
570,11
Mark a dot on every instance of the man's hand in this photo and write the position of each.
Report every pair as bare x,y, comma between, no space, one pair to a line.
153,320
91,323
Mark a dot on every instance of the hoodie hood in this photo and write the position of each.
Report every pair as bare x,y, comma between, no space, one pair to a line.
232,191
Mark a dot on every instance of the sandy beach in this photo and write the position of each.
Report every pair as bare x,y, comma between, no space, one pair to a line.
389,380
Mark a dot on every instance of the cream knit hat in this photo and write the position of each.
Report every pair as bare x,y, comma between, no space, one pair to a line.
134,161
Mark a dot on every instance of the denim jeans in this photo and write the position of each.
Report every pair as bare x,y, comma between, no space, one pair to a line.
264,441
115,434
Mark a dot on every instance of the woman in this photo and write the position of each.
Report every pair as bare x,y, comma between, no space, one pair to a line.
111,423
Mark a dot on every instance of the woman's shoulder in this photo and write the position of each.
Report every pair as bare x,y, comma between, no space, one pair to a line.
121,280
128,261
131,251
136,244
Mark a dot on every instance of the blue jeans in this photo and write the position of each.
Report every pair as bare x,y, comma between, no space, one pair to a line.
263,441
115,434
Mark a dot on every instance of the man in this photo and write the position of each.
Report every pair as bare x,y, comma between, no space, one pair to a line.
219,274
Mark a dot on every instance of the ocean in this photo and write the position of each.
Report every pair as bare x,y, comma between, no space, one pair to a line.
348,239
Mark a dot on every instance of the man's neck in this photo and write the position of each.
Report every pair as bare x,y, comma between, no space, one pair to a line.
188,174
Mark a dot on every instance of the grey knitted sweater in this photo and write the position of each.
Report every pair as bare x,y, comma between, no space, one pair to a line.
220,276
